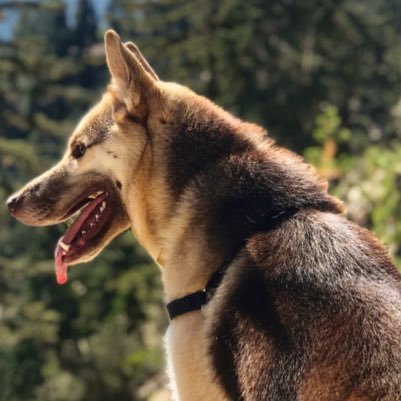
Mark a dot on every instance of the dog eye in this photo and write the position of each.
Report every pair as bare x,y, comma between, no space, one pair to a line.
78,150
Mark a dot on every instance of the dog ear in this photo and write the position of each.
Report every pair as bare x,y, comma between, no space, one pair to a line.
133,80
134,48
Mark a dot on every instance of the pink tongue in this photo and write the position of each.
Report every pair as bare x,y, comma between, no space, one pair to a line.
59,253
61,266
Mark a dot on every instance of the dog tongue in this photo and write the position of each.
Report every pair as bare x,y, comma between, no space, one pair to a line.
65,242
61,266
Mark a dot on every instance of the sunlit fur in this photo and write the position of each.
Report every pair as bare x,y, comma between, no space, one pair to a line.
309,308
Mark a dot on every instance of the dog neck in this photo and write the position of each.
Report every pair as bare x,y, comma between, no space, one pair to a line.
181,249
164,227
188,260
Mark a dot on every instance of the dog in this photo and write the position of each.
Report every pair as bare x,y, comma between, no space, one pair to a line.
272,293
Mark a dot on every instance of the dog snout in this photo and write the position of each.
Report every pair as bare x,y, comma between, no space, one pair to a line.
13,202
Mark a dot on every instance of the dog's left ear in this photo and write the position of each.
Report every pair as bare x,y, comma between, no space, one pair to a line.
133,80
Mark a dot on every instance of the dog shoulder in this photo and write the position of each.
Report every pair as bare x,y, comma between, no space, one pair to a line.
305,313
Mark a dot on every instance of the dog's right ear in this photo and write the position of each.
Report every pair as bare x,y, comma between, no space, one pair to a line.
133,81
134,48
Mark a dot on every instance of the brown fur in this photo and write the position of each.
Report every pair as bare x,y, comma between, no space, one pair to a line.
309,308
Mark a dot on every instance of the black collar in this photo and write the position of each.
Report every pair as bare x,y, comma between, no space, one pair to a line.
196,300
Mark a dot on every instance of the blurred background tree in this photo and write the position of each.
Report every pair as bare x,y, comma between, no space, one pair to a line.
322,76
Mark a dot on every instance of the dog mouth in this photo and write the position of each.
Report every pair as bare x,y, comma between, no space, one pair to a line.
93,216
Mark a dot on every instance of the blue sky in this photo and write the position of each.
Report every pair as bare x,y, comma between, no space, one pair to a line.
9,17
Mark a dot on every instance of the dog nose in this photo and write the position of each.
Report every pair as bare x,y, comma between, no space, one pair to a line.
12,203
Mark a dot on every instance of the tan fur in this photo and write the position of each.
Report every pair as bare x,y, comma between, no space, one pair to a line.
191,377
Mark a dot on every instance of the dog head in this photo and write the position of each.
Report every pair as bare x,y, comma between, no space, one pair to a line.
94,182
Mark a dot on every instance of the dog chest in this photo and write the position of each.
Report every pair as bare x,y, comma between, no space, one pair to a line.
189,368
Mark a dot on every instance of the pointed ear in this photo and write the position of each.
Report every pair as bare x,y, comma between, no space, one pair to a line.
131,80
134,49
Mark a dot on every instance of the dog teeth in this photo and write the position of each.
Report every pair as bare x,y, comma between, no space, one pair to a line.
83,232
102,207
95,195
97,217
92,224
64,246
